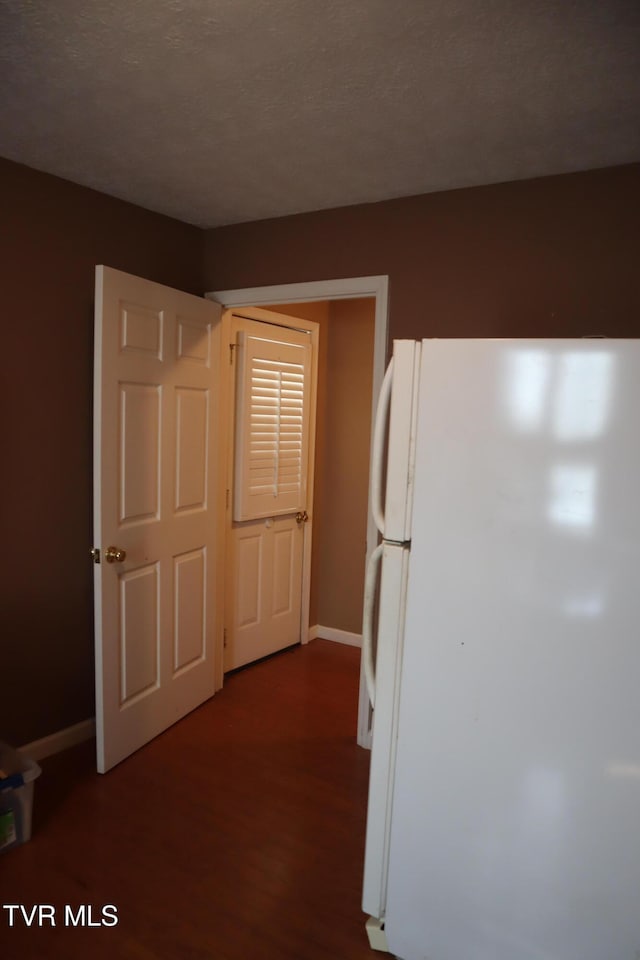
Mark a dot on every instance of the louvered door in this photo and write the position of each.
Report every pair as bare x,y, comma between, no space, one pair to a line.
273,408
271,426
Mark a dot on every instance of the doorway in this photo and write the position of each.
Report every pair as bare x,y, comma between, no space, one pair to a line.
283,298
268,528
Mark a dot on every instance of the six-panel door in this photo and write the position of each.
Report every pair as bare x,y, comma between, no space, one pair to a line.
157,498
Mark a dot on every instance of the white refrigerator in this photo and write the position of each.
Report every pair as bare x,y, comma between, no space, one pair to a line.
504,803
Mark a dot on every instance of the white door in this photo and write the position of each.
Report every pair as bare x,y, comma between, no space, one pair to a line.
158,503
269,530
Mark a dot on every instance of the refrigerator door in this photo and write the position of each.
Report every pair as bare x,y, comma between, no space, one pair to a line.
394,443
391,605
516,811
392,462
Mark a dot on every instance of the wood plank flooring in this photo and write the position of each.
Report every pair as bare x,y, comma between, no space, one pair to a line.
236,835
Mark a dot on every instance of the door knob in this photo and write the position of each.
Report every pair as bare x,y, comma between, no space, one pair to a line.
302,517
115,555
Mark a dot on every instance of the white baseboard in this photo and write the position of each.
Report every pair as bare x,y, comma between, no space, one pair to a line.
338,636
62,740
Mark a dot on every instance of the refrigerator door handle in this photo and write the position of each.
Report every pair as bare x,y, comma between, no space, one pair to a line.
378,452
367,622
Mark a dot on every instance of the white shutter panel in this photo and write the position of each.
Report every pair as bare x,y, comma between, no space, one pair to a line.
272,427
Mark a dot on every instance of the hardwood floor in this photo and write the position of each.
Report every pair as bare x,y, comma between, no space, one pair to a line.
236,835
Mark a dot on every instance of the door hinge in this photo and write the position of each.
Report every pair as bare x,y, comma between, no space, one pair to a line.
231,349
227,500
224,637
95,553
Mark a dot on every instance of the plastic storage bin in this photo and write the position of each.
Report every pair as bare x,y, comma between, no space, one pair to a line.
17,777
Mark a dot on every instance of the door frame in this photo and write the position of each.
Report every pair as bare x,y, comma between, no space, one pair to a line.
347,288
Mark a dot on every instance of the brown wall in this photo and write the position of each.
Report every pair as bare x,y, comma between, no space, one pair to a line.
54,233
341,480
550,257
345,466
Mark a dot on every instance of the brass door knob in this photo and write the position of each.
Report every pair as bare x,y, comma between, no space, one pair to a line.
115,555
302,517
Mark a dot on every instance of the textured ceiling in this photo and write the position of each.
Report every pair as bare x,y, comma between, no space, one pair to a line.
219,111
